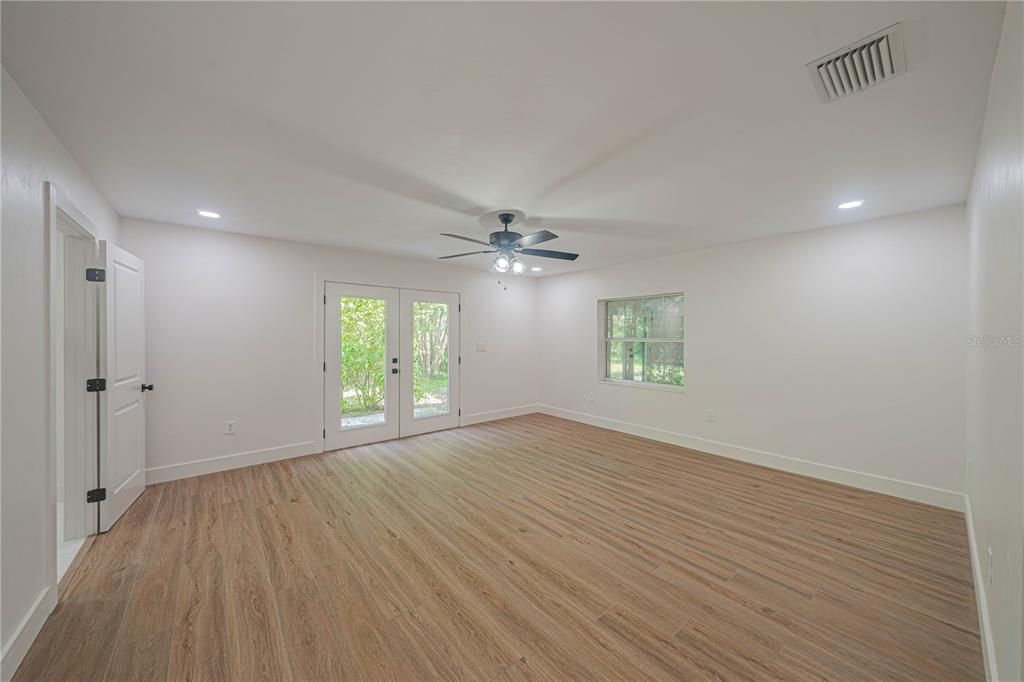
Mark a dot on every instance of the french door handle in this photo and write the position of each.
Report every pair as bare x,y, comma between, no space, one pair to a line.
394,370
147,387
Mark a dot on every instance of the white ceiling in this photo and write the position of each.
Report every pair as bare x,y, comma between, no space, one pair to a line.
630,129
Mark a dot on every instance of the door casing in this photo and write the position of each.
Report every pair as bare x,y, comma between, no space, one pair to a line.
61,215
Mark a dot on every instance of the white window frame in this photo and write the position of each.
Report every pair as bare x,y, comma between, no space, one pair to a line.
602,344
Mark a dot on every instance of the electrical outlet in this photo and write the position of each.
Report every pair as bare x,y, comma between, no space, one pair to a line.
229,427
989,551
711,416
590,396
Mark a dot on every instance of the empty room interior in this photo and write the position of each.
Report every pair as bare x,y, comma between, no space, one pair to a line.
512,341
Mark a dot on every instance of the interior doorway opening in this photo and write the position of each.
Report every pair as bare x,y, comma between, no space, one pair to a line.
76,360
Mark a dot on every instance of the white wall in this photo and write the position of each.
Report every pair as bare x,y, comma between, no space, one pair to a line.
31,154
838,352
841,347
994,360
232,333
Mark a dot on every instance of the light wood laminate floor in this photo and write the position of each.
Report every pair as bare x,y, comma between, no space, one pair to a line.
525,548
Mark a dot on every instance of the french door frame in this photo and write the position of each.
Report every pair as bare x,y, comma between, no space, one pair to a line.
399,404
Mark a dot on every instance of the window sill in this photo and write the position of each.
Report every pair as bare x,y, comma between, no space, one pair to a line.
640,384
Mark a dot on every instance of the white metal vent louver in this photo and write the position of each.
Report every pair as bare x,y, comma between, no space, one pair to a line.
860,65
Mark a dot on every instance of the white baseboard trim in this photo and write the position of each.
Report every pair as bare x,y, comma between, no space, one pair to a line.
938,497
17,646
468,419
198,467
988,646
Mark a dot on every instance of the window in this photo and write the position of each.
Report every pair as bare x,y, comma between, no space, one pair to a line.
643,339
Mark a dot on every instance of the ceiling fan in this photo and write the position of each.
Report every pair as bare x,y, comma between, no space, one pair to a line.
508,245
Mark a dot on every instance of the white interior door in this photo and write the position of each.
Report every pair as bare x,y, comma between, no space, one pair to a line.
361,365
123,364
430,361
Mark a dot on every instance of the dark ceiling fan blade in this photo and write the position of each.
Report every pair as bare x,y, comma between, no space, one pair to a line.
544,253
626,229
468,239
460,255
535,238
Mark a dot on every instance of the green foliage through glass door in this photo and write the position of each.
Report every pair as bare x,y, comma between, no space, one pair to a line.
363,360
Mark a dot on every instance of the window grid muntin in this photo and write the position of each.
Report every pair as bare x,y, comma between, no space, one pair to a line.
645,369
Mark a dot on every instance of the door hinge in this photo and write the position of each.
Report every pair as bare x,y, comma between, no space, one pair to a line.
95,275
96,495
325,299
460,307
460,411
95,385
325,365
325,433
460,359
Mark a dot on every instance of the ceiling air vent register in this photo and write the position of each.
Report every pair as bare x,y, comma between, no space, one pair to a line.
860,65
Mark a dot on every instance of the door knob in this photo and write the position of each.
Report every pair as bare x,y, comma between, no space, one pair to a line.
147,387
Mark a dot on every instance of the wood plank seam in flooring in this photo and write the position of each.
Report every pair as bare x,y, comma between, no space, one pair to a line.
530,547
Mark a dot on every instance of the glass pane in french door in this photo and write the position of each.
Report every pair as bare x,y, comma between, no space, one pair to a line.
363,361
431,377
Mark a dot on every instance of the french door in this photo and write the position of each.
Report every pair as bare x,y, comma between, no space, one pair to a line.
429,341
391,363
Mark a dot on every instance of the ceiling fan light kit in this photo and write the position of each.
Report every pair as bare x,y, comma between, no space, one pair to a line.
508,245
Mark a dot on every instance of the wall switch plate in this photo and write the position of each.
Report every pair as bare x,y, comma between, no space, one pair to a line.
481,348
590,396
711,416
229,428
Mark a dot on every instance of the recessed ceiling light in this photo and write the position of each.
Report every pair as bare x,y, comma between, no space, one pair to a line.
207,214
851,204
536,268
